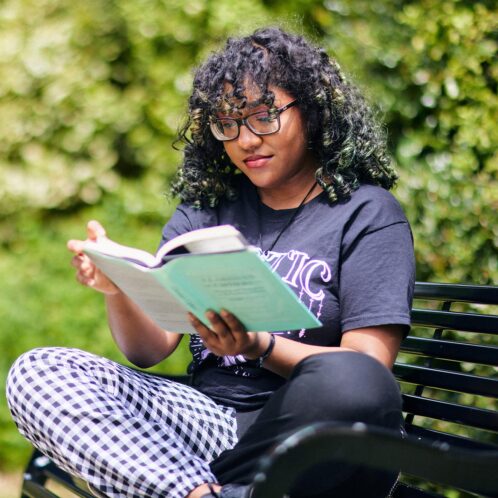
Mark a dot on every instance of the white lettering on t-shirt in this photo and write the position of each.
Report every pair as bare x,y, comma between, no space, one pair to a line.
299,259
306,274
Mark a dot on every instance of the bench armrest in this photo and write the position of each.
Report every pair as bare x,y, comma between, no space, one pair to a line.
376,448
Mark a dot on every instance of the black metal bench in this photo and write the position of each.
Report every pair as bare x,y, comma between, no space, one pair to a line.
447,370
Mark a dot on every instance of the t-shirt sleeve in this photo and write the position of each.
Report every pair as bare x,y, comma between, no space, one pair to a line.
178,224
185,219
378,268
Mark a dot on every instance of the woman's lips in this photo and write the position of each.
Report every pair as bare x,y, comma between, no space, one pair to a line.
256,161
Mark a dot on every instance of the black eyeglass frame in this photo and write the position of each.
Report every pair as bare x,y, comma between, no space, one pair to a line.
243,121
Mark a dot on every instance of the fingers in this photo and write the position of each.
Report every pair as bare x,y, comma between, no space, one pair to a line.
232,322
218,325
82,263
200,328
95,230
83,279
218,330
225,334
75,246
87,273
86,269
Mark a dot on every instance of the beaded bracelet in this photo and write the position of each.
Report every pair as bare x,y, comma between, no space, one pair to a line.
268,351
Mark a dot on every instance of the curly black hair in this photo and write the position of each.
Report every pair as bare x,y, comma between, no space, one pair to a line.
342,130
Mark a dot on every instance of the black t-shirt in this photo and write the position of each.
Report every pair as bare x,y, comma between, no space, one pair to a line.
351,263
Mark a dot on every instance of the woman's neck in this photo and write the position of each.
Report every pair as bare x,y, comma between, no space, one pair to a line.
290,196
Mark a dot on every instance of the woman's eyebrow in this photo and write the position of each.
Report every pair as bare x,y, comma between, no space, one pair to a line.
255,103
248,107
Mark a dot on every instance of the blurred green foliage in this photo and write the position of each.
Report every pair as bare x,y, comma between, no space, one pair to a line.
92,93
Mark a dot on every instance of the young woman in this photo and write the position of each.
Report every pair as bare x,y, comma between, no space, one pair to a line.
282,146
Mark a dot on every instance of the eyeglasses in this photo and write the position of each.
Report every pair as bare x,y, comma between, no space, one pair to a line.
260,123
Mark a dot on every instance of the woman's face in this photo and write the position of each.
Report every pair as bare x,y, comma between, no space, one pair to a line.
276,161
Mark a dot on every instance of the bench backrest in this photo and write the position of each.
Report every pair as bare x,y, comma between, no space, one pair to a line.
447,366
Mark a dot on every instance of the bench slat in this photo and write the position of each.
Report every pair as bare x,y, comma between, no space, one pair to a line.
62,479
451,350
464,322
444,379
451,439
404,491
457,292
32,489
451,412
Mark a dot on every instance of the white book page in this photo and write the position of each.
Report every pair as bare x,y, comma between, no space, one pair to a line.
142,288
107,246
223,238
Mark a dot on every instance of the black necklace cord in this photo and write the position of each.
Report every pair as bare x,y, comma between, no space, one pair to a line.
289,221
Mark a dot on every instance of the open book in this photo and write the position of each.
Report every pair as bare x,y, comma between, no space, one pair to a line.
211,268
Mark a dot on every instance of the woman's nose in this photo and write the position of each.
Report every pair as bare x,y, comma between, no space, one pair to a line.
247,139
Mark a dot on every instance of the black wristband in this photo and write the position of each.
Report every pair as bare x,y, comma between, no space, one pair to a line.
268,351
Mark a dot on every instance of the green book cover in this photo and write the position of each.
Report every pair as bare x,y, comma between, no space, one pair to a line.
240,282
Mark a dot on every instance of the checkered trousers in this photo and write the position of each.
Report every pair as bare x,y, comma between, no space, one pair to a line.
127,433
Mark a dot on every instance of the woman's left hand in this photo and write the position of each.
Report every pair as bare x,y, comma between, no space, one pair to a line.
227,336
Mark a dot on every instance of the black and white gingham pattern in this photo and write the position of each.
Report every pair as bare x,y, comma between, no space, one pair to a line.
127,433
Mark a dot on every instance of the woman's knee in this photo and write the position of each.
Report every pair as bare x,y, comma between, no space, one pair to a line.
347,386
23,371
40,358
23,368
34,371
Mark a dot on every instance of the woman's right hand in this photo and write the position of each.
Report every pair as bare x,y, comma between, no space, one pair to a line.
87,273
